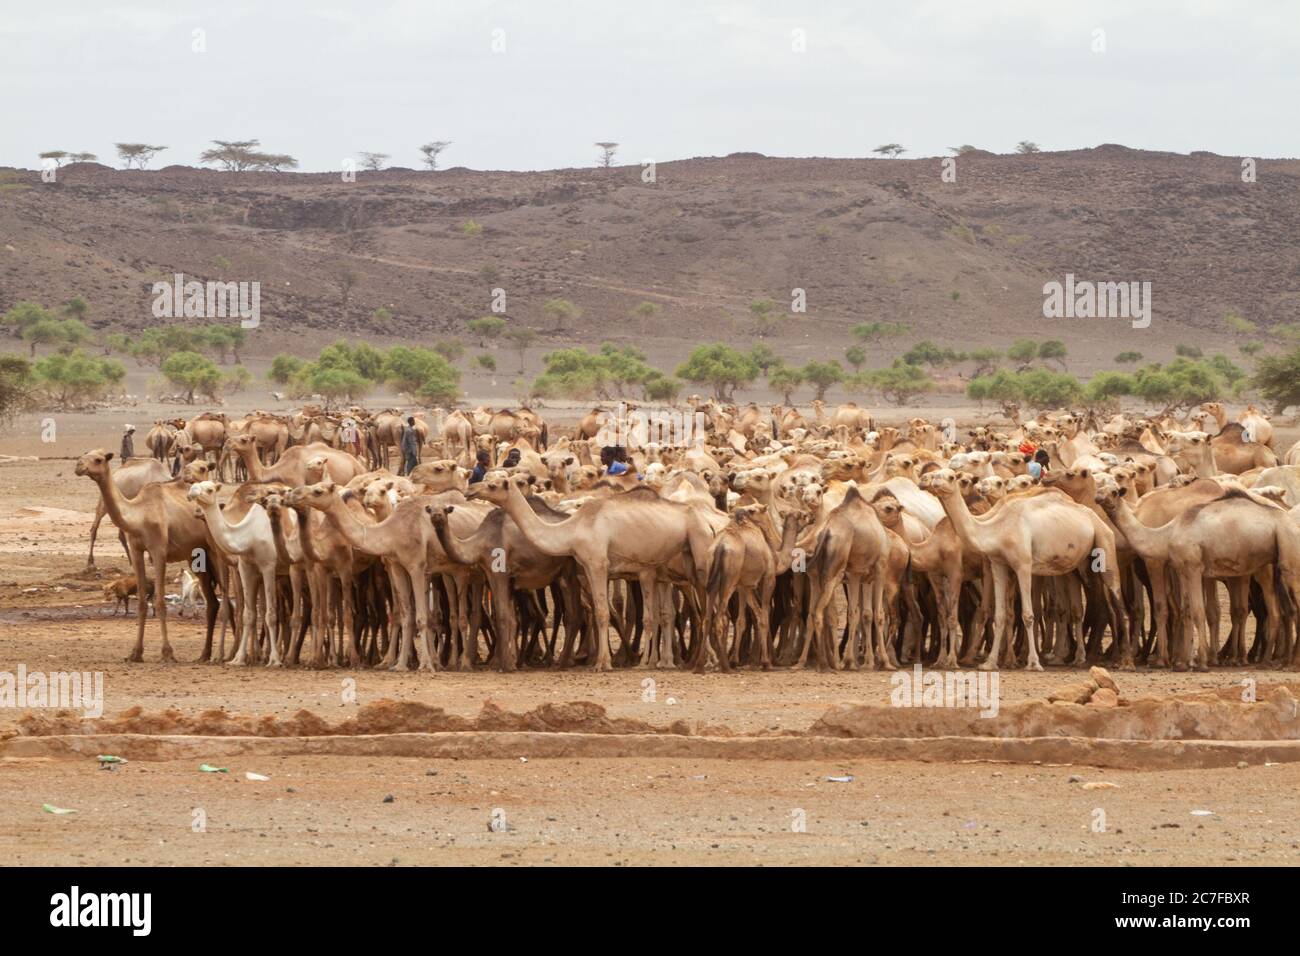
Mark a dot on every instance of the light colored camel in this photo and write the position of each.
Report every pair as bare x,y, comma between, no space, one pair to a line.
251,544
158,522
635,534
1046,534
292,468
1232,536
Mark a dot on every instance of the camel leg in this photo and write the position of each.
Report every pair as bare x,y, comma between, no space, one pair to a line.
211,608
269,591
598,580
1160,608
1195,623
649,615
295,616
248,635
137,567
94,532
1000,615
506,655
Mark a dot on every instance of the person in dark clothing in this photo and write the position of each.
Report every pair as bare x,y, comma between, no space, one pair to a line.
410,447
512,459
128,443
480,468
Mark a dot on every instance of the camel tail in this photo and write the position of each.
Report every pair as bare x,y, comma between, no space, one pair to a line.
717,568
546,441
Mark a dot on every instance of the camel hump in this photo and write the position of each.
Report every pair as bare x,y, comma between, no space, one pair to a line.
1235,430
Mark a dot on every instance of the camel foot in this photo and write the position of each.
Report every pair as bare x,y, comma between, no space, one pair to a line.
989,665
167,656
1034,666
275,663
1157,662
135,658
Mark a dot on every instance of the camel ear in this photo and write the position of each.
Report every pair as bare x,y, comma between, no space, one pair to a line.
108,457
449,509
216,486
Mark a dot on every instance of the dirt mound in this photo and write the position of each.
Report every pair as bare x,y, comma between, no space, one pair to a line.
1208,716
381,717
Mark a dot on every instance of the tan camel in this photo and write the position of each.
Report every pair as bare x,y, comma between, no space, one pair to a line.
292,468
745,559
1046,534
129,477
510,562
635,534
852,548
159,521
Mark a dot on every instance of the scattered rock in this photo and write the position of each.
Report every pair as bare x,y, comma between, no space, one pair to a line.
1100,785
1103,679
1104,697
1079,693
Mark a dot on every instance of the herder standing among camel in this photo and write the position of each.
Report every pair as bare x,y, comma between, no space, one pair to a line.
128,444
410,447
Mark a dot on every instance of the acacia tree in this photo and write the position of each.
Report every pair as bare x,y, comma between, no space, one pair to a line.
432,150
521,338
892,150
607,151
1027,146
234,156
373,161
137,155
561,311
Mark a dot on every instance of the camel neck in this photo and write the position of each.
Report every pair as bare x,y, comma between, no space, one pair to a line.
552,539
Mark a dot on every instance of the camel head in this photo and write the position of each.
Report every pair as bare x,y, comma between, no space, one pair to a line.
900,466
243,444
992,488
197,470
1109,497
496,489
438,514
1019,483
888,509
437,476
94,463
810,496
318,496
840,468
943,482
204,493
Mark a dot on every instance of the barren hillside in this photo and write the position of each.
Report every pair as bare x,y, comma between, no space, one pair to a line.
963,263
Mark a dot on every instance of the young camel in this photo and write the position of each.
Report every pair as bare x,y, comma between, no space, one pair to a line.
161,523
852,545
635,534
746,558
251,544
1046,534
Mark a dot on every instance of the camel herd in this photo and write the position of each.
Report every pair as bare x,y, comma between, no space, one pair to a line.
774,538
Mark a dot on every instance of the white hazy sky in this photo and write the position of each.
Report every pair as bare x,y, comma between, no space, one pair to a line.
668,79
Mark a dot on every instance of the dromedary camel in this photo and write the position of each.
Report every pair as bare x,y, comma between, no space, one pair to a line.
159,522
129,476
251,544
1046,534
635,534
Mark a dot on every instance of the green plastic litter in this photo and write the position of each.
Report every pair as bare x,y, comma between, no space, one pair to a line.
208,768
109,758
51,808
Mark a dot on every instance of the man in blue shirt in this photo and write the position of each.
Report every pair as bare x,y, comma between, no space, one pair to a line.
480,468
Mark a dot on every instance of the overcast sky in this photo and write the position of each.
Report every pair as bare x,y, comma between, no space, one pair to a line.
667,79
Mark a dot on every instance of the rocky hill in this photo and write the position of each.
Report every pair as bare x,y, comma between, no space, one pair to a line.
960,262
